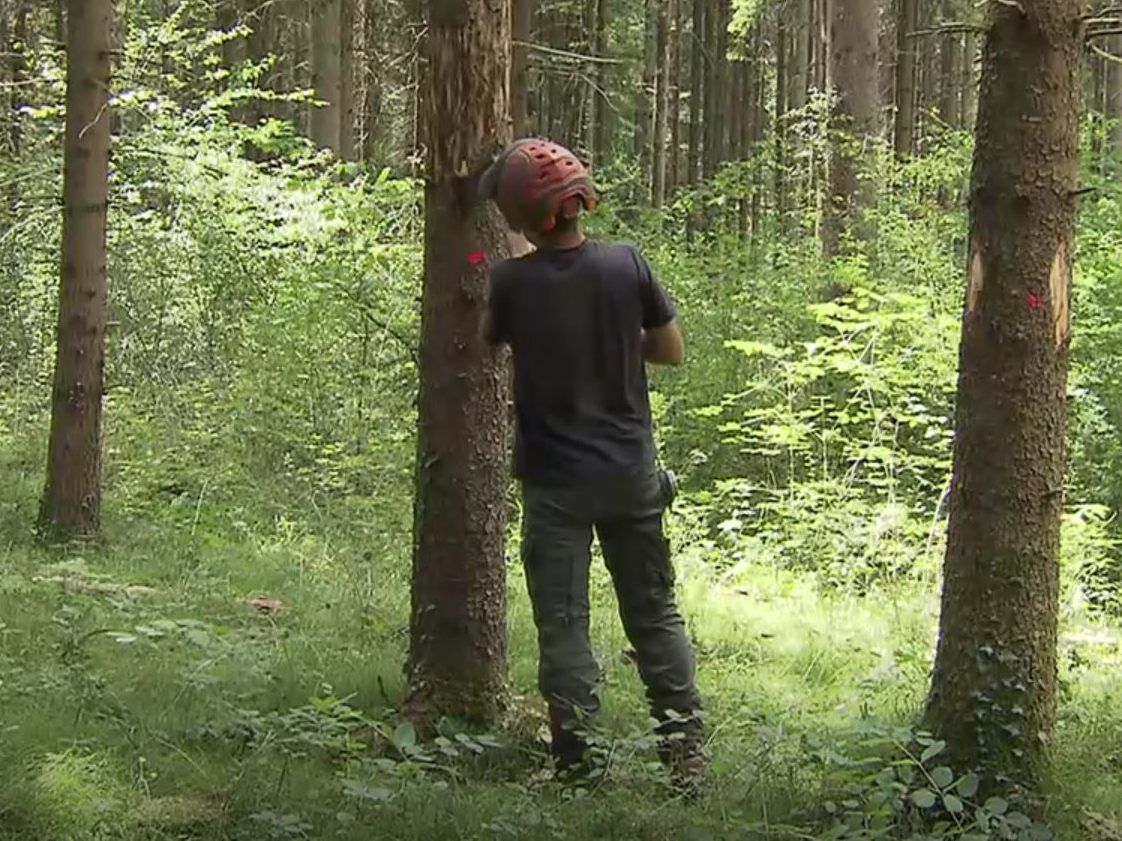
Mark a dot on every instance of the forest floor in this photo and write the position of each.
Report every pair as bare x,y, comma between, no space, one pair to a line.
215,675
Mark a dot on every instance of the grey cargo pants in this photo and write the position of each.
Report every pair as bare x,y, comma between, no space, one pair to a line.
626,513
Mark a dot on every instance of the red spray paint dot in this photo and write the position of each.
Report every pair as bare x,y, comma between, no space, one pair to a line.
476,257
1034,301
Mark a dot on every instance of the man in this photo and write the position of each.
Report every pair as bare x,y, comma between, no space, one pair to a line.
581,318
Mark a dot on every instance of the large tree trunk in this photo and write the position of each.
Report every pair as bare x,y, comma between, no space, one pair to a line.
522,12
327,75
347,149
905,122
993,694
854,123
457,654
71,504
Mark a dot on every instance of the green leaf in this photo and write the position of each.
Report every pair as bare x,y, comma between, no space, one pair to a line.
996,806
924,798
953,804
942,776
968,786
932,751
405,736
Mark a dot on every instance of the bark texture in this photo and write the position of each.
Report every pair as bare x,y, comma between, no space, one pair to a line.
993,694
457,654
854,123
71,503
904,128
523,15
327,73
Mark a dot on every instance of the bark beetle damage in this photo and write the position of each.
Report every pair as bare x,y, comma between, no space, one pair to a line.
1059,282
976,279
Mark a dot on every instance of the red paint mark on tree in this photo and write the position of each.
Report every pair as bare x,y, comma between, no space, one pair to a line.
1034,301
476,257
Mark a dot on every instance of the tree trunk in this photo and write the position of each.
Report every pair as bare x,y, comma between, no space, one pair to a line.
1114,105
16,43
644,113
780,131
71,504
968,99
347,149
522,12
905,123
666,14
457,655
697,90
949,59
372,82
602,113
993,694
327,76
722,86
854,122
709,160
800,73
674,175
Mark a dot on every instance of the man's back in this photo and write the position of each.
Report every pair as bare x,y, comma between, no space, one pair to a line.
575,320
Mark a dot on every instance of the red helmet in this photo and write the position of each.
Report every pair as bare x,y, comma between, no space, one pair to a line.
536,183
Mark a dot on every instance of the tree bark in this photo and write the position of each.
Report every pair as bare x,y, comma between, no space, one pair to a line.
697,88
347,150
662,103
993,693
905,123
372,82
644,115
522,12
968,99
71,504
1114,105
457,655
854,122
327,76
949,58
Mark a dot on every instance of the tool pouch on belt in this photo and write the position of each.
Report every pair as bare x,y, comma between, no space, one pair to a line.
668,484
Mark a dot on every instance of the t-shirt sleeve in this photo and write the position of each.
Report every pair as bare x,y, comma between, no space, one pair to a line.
658,309
498,332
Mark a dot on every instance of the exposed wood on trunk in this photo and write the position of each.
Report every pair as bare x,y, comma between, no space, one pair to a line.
71,504
993,694
457,655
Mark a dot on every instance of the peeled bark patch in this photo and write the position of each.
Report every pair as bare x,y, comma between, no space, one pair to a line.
976,280
1059,282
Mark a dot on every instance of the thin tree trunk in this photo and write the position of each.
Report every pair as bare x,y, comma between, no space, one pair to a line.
780,130
522,16
602,113
949,59
723,85
993,693
666,13
347,150
327,77
969,84
1114,104
457,654
710,160
372,87
71,504
16,44
697,88
855,119
674,176
905,123
645,113
801,72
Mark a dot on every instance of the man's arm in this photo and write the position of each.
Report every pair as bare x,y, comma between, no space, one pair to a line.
664,345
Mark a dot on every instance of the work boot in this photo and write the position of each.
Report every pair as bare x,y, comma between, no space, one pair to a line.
681,748
567,745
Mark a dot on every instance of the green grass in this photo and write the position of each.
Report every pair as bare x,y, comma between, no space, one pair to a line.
177,710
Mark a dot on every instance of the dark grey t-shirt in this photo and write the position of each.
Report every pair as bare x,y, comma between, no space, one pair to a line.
574,321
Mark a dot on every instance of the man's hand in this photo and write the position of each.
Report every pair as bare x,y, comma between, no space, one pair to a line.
664,345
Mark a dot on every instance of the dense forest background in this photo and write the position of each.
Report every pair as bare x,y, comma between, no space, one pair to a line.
227,661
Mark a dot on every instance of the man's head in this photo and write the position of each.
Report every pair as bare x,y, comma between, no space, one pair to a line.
541,189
